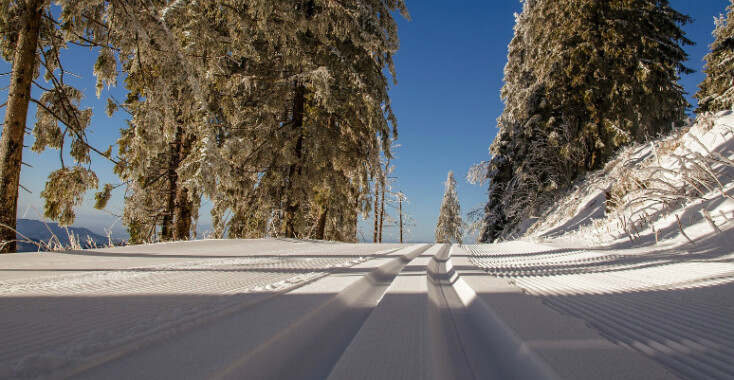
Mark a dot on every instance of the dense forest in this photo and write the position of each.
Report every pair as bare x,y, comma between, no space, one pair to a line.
276,111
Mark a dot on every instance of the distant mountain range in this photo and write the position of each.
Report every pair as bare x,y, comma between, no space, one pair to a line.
43,232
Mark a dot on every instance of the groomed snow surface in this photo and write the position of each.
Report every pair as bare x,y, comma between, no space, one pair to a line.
655,301
301,309
670,304
642,250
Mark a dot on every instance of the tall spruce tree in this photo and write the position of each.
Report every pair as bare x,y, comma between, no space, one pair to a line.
449,226
282,105
583,78
717,89
314,142
167,107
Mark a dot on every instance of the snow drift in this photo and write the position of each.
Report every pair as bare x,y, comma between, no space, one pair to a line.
676,187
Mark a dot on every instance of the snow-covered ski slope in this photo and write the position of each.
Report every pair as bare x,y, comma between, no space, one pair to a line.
288,309
672,305
642,250
60,310
642,290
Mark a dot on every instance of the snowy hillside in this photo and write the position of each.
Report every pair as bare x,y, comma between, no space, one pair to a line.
641,250
678,188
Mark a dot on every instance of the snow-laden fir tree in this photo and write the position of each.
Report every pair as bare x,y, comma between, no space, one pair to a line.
583,78
717,89
166,113
279,108
313,138
449,228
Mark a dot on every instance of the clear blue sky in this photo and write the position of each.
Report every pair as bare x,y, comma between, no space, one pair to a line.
447,99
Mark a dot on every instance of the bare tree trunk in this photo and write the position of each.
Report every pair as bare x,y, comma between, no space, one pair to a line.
167,223
321,226
292,204
174,151
183,206
16,113
377,213
383,181
400,213
182,215
382,210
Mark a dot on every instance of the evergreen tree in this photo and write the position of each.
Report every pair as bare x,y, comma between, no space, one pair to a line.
278,112
167,106
449,225
314,140
717,89
33,38
583,78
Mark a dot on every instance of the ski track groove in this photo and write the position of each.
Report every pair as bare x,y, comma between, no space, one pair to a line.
658,335
173,293
686,321
665,306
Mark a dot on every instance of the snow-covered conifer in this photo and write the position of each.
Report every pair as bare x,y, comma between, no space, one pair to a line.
282,106
717,89
168,109
449,228
583,78
315,123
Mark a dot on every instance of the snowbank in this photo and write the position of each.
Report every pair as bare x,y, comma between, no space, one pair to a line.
675,188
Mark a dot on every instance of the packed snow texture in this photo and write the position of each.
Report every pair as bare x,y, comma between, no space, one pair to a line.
59,308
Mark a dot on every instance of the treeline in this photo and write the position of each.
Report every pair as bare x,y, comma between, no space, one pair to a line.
275,110
583,79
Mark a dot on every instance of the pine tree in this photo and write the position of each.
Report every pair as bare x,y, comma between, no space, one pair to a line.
167,107
282,105
583,78
717,89
449,225
33,39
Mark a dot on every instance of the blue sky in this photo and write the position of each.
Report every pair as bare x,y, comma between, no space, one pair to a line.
450,65
449,71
